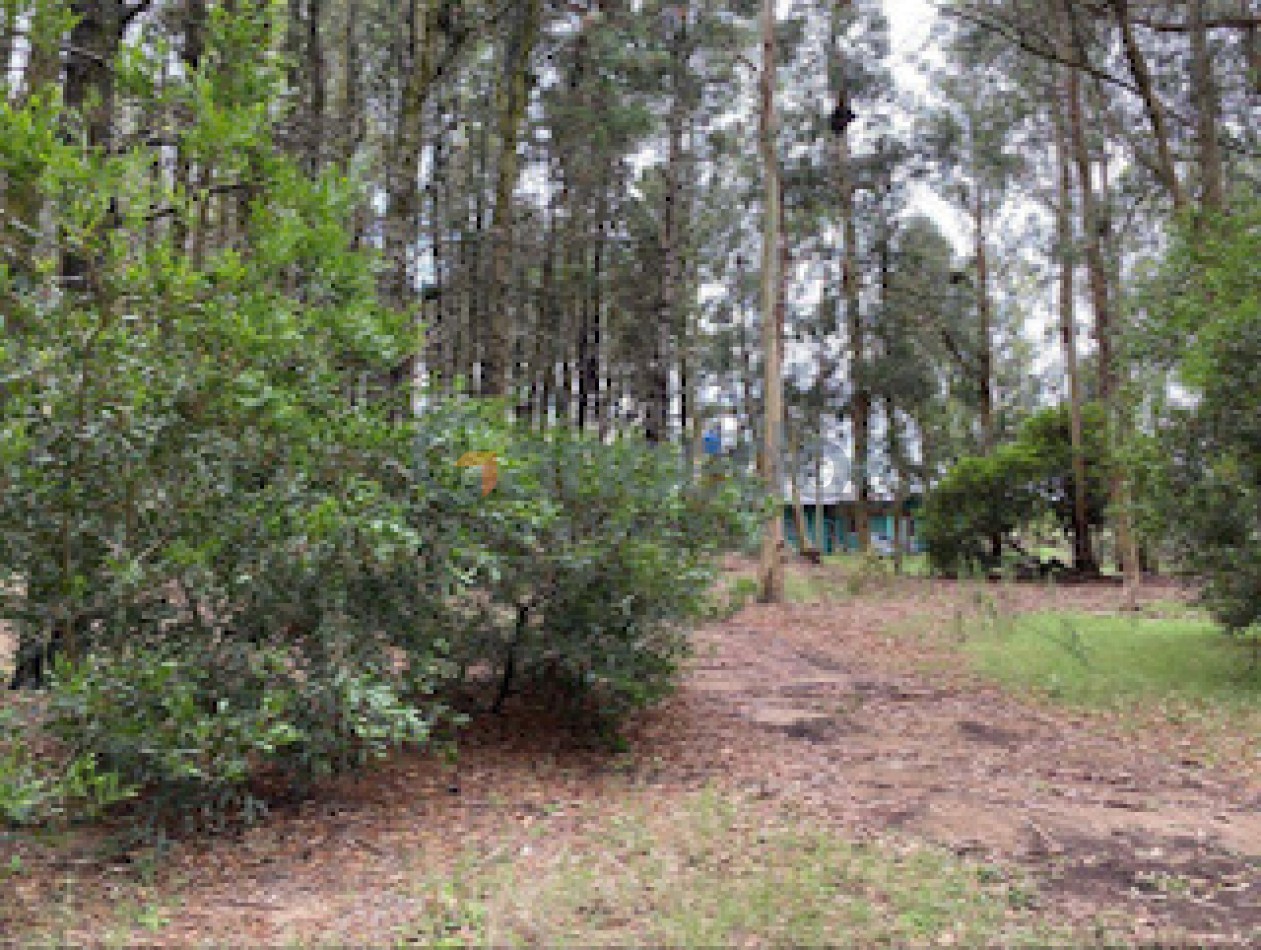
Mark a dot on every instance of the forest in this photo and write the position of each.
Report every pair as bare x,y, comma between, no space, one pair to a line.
630,472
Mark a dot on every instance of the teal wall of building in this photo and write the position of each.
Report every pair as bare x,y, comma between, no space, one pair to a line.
881,527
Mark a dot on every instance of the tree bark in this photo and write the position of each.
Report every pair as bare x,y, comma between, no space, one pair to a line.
1083,554
513,98
1094,225
772,568
315,86
1251,40
984,315
1204,94
418,57
860,402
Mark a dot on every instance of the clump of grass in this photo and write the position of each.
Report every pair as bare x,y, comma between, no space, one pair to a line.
712,872
730,597
913,565
804,588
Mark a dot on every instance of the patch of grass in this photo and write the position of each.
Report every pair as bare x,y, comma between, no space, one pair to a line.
804,588
137,920
714,872
1173,610
1111,661
913,565
730,596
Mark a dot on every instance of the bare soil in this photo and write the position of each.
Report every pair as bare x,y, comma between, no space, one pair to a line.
857,709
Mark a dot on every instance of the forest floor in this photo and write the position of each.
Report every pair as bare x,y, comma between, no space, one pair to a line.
853,716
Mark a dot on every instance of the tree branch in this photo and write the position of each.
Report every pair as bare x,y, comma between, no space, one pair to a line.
222,189
1020,38
1242,22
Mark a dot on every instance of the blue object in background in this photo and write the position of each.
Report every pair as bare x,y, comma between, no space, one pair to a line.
712,442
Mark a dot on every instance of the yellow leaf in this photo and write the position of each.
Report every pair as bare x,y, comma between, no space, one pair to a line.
489,465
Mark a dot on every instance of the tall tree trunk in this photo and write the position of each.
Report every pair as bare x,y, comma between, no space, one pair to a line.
1083,554
860,402
820,508
419,59
1251,40
8,27
596,358
513,98
315,86
352,103
1093,224
984,315
668,292
799,511
772,568
1204,94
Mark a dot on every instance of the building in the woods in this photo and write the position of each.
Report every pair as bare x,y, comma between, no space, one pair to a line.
839,518
824,478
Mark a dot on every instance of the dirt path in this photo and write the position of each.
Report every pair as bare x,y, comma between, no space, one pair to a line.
1134,824
818,705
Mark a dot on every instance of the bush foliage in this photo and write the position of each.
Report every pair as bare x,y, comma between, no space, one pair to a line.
229,552
970,513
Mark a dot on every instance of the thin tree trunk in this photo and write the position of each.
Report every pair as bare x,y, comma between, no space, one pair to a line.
1083,553
513,98
860,404
1251,40
772,568
799,511
403,161
820,509
315,86
1093,224
8,27
1204,94
985,359
352,108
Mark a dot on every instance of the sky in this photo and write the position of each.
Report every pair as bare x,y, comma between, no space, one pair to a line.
910,25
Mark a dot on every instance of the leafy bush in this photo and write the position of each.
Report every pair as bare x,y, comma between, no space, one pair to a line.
593,559
38,786
983,499
241,558
231,549
195,730
980,500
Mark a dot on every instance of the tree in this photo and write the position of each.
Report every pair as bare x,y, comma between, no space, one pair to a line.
1201,468
772,568
982,500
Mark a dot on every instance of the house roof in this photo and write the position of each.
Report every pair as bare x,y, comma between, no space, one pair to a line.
878,491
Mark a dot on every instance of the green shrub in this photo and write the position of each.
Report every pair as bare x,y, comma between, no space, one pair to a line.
194,730
36,786
983,499
234,552
243,557
980,501
595,558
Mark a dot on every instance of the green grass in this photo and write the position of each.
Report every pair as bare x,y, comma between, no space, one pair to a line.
800,588
711,872
913,565
1111,661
